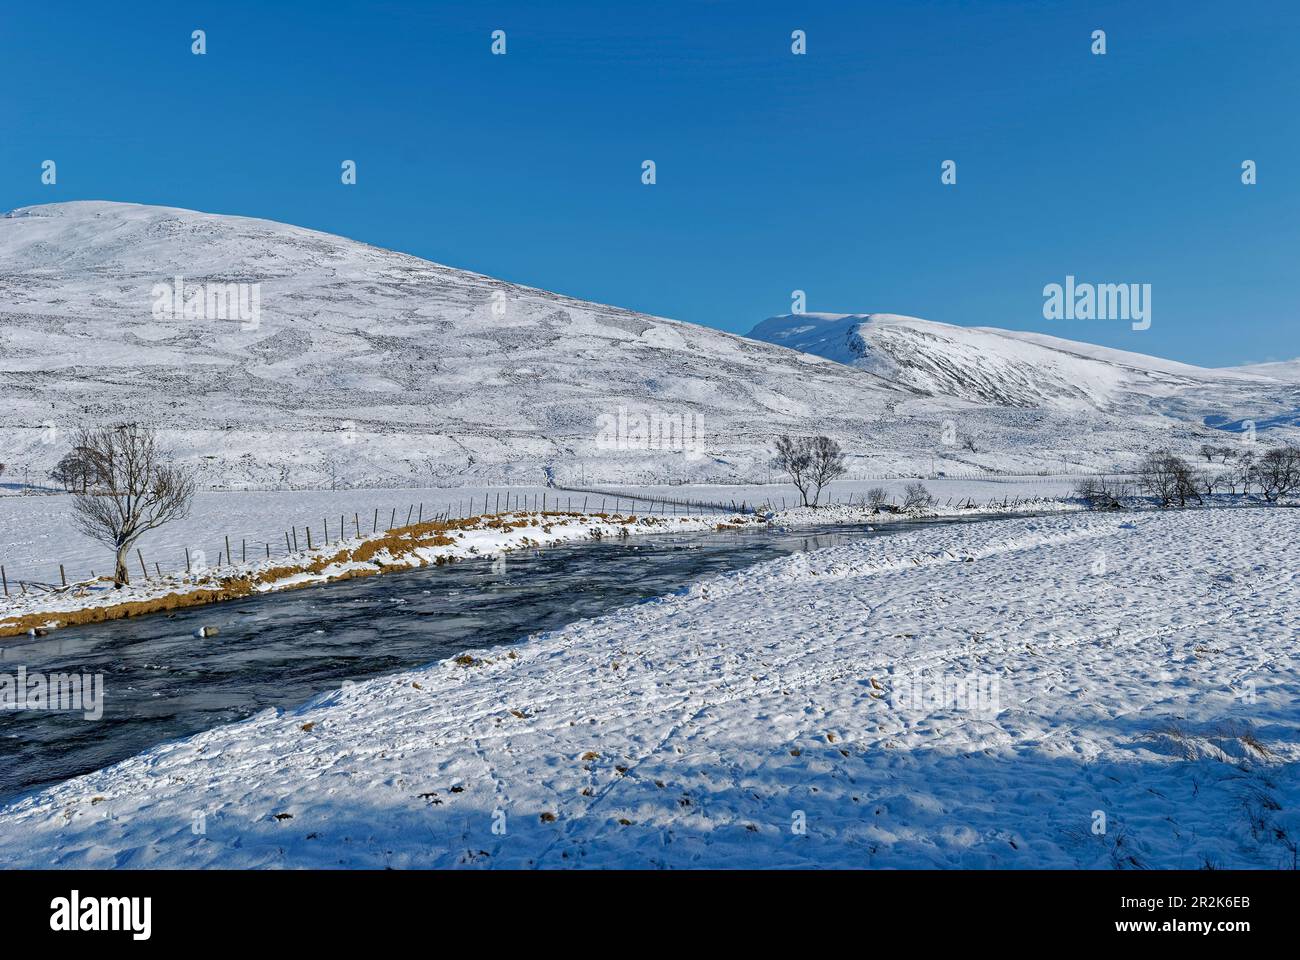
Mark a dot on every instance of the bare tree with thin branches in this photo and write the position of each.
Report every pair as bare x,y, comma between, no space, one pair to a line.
877,497
826,463
794,458
1102,493
1278,472
134,490
74,472
917,497
1245,471
1168,478
811,462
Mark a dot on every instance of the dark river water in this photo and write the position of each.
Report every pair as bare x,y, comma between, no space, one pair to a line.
161,682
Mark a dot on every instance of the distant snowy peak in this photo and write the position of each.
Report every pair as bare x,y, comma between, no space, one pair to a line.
830,335
985,365
1288,370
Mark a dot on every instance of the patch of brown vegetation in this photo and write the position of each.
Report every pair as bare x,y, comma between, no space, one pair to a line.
400,543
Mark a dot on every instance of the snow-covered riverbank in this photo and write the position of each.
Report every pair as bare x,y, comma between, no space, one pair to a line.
38,532
1080,690
402,548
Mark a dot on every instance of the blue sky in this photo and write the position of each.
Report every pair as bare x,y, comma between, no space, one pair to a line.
775,172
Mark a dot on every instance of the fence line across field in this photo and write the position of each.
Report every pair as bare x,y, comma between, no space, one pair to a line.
611,500
494,503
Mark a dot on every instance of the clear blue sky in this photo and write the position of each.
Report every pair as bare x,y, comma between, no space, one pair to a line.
775,171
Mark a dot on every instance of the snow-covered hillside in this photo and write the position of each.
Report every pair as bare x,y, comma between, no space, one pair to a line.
388,367
1020,369
366,367
1277,370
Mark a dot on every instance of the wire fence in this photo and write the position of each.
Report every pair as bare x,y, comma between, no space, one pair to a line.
332,529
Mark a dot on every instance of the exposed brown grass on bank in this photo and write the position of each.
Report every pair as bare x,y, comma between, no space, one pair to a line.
395,549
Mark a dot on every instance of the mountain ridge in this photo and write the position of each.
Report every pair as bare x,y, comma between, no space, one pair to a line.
371,367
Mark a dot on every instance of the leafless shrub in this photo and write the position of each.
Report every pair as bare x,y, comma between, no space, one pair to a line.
1103,493
75,472
134,490
1244,472
917,497
877,497
1168,478
1278,473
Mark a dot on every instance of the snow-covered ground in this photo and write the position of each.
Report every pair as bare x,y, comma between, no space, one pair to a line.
37,533
1081,690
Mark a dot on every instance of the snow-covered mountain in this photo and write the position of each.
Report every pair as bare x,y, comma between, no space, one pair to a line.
369,365
1277,369
1031,370
366,366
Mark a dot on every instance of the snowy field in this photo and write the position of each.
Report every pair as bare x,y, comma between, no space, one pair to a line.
1072,691
37,532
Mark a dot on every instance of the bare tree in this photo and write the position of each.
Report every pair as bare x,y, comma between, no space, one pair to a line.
1278,472
794,457
826,463
916,497
1102,493
1168,478
134,491
1187,485
1245,471
1208,452
74,472
877,497
811,462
